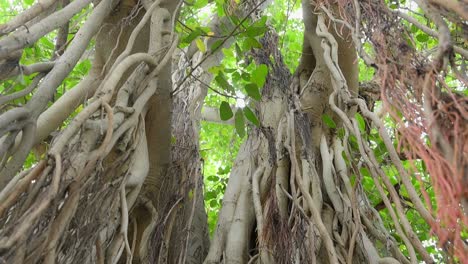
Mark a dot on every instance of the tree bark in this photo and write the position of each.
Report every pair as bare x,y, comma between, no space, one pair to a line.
289,198
123,183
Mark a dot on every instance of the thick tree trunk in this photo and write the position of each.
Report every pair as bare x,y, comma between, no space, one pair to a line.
122,183
152,189
289,198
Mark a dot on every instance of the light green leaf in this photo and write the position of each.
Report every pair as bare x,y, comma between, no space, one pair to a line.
259,75
250,115
252,91
200,3
361,122
239,123
200,45
328,121
225,111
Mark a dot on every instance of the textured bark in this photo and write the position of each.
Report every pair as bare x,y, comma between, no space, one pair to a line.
123,183
99,185
289,197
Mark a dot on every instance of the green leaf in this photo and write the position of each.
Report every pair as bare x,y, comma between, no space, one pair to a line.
213,203
365,172
361,122
236,76
252,91
352,179
353,142
45,41
228,52
223,171
210,195
250,43
193,35
246,76
225,111
259,75
215,70
261,22
213,178
422,37
328,121
216,44
255,31
221,80
29,2
239,123
200,45
250,115
341,133
200,3
238,52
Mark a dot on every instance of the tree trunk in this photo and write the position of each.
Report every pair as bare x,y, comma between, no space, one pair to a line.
97,166
123,184
138,185
289,198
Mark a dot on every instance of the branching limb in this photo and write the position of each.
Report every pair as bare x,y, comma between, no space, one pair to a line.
26,16
29,69
22,38
459,7
10,97
429,31
48,86
53,117
16,161
68,60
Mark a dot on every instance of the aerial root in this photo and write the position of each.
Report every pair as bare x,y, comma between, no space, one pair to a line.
18,185
60,224
315,212
124,221
30,216
340,89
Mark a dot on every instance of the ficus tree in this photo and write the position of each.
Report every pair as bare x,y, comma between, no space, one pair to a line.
355,119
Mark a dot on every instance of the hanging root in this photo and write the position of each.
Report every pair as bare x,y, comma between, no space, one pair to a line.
82,175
